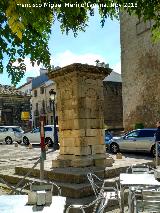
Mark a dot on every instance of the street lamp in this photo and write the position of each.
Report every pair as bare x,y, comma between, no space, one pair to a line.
52,98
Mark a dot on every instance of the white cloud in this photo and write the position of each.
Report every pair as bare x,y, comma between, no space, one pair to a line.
68,57
117,67
30,70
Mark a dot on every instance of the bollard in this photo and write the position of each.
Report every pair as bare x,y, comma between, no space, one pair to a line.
16,144
30,146
46,147
118,156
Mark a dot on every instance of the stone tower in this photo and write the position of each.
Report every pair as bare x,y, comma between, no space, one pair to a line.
140,59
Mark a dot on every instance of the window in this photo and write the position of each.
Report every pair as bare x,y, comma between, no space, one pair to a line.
133,134
36,130
41,90
37,106
50,104
43,104
35,93
17,129
2,129
49,129
51,119
147,133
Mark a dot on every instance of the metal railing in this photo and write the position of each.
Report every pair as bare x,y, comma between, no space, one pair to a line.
26,175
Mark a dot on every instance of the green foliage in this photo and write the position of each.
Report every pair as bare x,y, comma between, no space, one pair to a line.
139,126
25,25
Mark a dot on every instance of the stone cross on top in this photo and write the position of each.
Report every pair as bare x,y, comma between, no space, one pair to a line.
80,115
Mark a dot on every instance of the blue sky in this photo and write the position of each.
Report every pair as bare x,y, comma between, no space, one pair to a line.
95,43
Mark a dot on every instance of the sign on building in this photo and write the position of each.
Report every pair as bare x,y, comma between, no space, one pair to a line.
25,116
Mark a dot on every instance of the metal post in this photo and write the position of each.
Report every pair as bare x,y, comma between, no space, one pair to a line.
43,151
55,144
41,169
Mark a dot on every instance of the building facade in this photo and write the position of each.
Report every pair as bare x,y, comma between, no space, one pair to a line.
12,104
140,61
27,87
113,107
41,103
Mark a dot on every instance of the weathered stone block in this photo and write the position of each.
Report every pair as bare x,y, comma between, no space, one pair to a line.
81,162
73,133
98,149
80,141
106,162
100,162
99,156
91,140
109,161
61,163
82,150
91,132
66,157
69,142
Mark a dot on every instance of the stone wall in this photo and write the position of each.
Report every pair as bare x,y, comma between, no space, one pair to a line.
140,61
113,109
12,103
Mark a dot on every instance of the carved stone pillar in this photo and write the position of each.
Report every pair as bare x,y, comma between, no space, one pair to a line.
80,115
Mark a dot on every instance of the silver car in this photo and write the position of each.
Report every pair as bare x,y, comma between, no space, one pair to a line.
141,140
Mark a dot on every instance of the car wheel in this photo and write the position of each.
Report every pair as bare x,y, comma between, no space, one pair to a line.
114,148
8,140
153,151
25,140
48,141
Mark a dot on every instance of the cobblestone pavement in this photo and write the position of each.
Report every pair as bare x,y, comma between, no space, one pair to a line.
11,156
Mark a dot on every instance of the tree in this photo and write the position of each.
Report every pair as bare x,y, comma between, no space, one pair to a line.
25,25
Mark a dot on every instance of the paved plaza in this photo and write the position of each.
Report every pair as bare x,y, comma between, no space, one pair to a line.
11,156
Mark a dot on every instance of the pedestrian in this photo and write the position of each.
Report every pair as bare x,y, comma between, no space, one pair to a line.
157,140
157,134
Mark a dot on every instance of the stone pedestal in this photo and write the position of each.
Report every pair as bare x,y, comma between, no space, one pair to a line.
80,115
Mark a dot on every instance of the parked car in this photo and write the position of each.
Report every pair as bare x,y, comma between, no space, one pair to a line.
10,134
141,140
34,135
